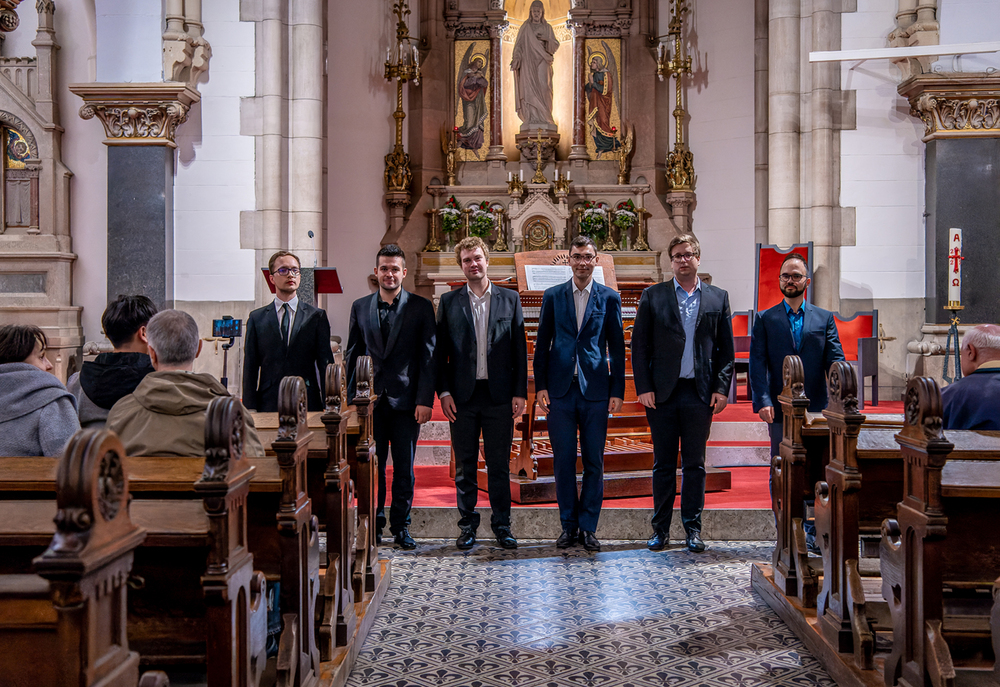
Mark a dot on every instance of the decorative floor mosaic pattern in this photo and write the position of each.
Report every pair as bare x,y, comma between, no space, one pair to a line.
626,617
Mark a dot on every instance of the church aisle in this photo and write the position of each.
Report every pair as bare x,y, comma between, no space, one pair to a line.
541,617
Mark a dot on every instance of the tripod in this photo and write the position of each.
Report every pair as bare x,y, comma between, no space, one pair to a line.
225,361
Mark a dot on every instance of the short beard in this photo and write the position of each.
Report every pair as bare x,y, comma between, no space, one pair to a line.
794,294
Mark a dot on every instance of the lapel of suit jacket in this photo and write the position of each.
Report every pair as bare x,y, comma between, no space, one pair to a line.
397,323
496,304
304,312
701,302
786,327
271,327
808,317
465,308
591,305
672,302
375,344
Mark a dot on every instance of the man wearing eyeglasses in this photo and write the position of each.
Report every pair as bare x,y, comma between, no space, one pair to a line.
792,327
682,362
579,366
284,338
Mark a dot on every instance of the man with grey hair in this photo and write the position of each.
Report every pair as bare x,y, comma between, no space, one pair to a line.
973,402
165,415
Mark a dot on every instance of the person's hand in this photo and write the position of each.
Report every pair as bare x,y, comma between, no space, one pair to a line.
517,406
543,401
648,399
766,414
423,414
448,406
614,405
718,403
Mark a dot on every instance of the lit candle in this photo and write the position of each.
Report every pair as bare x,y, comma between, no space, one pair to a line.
955,267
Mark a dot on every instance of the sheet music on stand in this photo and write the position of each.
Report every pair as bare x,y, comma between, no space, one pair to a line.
541,277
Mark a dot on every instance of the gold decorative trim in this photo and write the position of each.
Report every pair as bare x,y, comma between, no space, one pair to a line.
137,113
955,105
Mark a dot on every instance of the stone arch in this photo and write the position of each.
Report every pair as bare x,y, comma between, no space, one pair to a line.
18,125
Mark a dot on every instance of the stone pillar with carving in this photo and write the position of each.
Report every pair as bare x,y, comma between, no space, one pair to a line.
496,93
578,150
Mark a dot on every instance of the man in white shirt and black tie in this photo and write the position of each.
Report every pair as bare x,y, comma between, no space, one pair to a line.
482,365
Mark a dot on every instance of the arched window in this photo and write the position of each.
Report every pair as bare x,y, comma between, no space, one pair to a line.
19,197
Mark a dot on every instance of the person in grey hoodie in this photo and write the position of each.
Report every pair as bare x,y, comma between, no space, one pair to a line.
37,414
165,415
111,376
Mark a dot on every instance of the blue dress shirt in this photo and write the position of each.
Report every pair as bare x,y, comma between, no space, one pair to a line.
688,306
795,320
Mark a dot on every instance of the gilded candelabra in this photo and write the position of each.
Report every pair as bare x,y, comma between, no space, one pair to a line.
640,239
501,242
402,63
432,244
680,160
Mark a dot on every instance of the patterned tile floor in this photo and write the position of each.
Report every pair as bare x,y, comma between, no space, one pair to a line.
542,617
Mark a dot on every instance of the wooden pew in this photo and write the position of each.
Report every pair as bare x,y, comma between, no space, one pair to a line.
940,556
66,625
364,471
195,597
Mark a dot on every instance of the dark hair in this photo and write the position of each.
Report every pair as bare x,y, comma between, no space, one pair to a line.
684,238
582,240
795,256
123,317
390,250
280,254
17,341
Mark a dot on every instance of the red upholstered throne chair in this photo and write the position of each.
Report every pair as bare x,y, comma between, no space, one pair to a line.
767,293
859,338
742,325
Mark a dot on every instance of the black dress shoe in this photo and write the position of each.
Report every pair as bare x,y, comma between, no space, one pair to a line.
467,539
405,541
658,541
566,539
589,541
505,538
694,542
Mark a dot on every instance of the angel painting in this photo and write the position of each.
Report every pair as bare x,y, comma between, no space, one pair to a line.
471,88
603,93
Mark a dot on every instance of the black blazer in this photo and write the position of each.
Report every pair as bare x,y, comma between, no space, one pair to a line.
404,366
658,342
267,359
772,340
506,352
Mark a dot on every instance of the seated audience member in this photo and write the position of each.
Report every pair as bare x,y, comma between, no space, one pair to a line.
102,383
37,414
973,402
165,415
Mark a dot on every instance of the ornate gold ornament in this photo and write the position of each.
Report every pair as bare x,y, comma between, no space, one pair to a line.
680,160
137,113
402,63
625,154
955,105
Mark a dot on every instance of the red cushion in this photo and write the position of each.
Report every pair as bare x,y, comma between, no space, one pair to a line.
858,327
769,263
741,324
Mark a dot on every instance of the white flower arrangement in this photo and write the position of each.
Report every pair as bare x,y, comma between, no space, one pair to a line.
451,220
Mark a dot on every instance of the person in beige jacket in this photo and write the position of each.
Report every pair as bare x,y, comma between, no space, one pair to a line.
165,415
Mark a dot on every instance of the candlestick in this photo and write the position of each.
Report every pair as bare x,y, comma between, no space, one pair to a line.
510,177
520,175
955,267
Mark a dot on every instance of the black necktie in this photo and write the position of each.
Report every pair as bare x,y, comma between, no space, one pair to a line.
284,323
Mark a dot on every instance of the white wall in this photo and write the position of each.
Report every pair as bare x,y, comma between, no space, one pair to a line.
721,104
214,172
882,169
129,35
969,21
359,132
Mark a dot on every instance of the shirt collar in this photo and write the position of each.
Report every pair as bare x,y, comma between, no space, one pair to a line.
788,308
587,288
383,304
989,365
677,285
486,294
293,304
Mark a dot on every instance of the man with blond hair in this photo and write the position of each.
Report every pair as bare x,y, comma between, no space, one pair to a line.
482,381
973,402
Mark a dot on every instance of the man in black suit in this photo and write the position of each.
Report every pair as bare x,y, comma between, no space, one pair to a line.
395,328
284,338
682,362
482,371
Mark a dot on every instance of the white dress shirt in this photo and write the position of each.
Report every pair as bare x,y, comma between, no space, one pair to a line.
293,306
481,321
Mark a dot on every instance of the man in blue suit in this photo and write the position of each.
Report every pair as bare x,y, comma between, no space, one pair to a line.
792,327
973,402
579,331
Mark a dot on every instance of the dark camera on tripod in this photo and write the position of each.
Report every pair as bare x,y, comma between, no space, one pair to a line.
227,328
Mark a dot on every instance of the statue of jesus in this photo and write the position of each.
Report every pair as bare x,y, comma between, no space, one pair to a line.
533,54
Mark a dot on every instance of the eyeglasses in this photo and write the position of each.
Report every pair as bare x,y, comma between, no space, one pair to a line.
582,257
286,271
796,278
683,257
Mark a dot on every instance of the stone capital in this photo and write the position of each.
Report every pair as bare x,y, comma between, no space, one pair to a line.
955,105
137,113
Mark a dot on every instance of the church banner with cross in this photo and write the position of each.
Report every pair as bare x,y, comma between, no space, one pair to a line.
602,93
472,99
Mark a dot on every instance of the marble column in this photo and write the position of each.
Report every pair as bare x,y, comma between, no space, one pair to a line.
760,136
139,120
496,93
578,149
784,61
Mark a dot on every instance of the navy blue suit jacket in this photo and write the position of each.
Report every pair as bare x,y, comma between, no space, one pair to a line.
404,365
771,340
973,402
558,346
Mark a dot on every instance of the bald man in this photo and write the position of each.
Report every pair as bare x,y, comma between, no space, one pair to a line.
973,402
